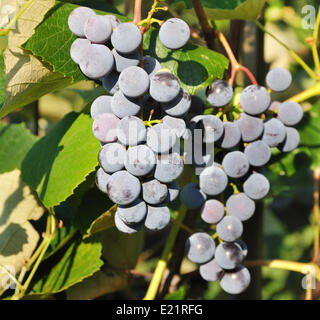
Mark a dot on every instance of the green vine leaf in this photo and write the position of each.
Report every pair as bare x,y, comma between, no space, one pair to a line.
62,159
195,66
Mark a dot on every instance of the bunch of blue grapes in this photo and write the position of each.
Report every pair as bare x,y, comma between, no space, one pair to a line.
243,139
140,122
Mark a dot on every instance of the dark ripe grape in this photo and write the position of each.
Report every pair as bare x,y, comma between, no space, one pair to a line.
123,106
258,153
140,160
104,127
211,125
179,106
178,126
98,62
251,127
100,105
110,82
78,18
164,87
124,227
111,157
236,281
102,180
290,113
235,164
231,135
274,106
131,131
133,213
228,255
114,21
220,93
174,33
151,65
126,37
211,271
229,229
200,247
158,217
79,49
160,138
98,29
169,167
243,247
173,191
255,100
192,197
123,188
241,206
134,82
279,79
123,61
154,192
213,181
274,132
291,142
212,211
256,186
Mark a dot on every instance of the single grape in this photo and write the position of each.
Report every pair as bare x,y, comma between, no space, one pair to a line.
123,61
126,37
124,227
123,188
256,186
231,135
243,247
133,213
111,157
98,29
77,20
291,142
100,105
174,33
160,138
220,93
154,192
274,106
251,127
98,62
213,180
134,82
228,255
279,79
140,160
114,21
212,211
164,87
173,191
211,271
169,167
200,247
192,197
241,206
179,106
158,217
178,126
258,153
236,281
290,113
151,65
229,229
255,100
131,131
211,125
104,127
79,50
235,164
102,180
123,106
274,132
110,82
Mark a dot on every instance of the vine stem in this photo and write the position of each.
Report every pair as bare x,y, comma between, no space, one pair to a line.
316,178
315,52
293,54
137,11
307,94
163,262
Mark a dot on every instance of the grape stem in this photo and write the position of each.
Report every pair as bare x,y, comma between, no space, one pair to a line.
314,46
307,94
137,11
316,178
235,65
181,225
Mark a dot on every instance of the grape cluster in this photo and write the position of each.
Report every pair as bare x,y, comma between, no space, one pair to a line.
244,139
139,158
